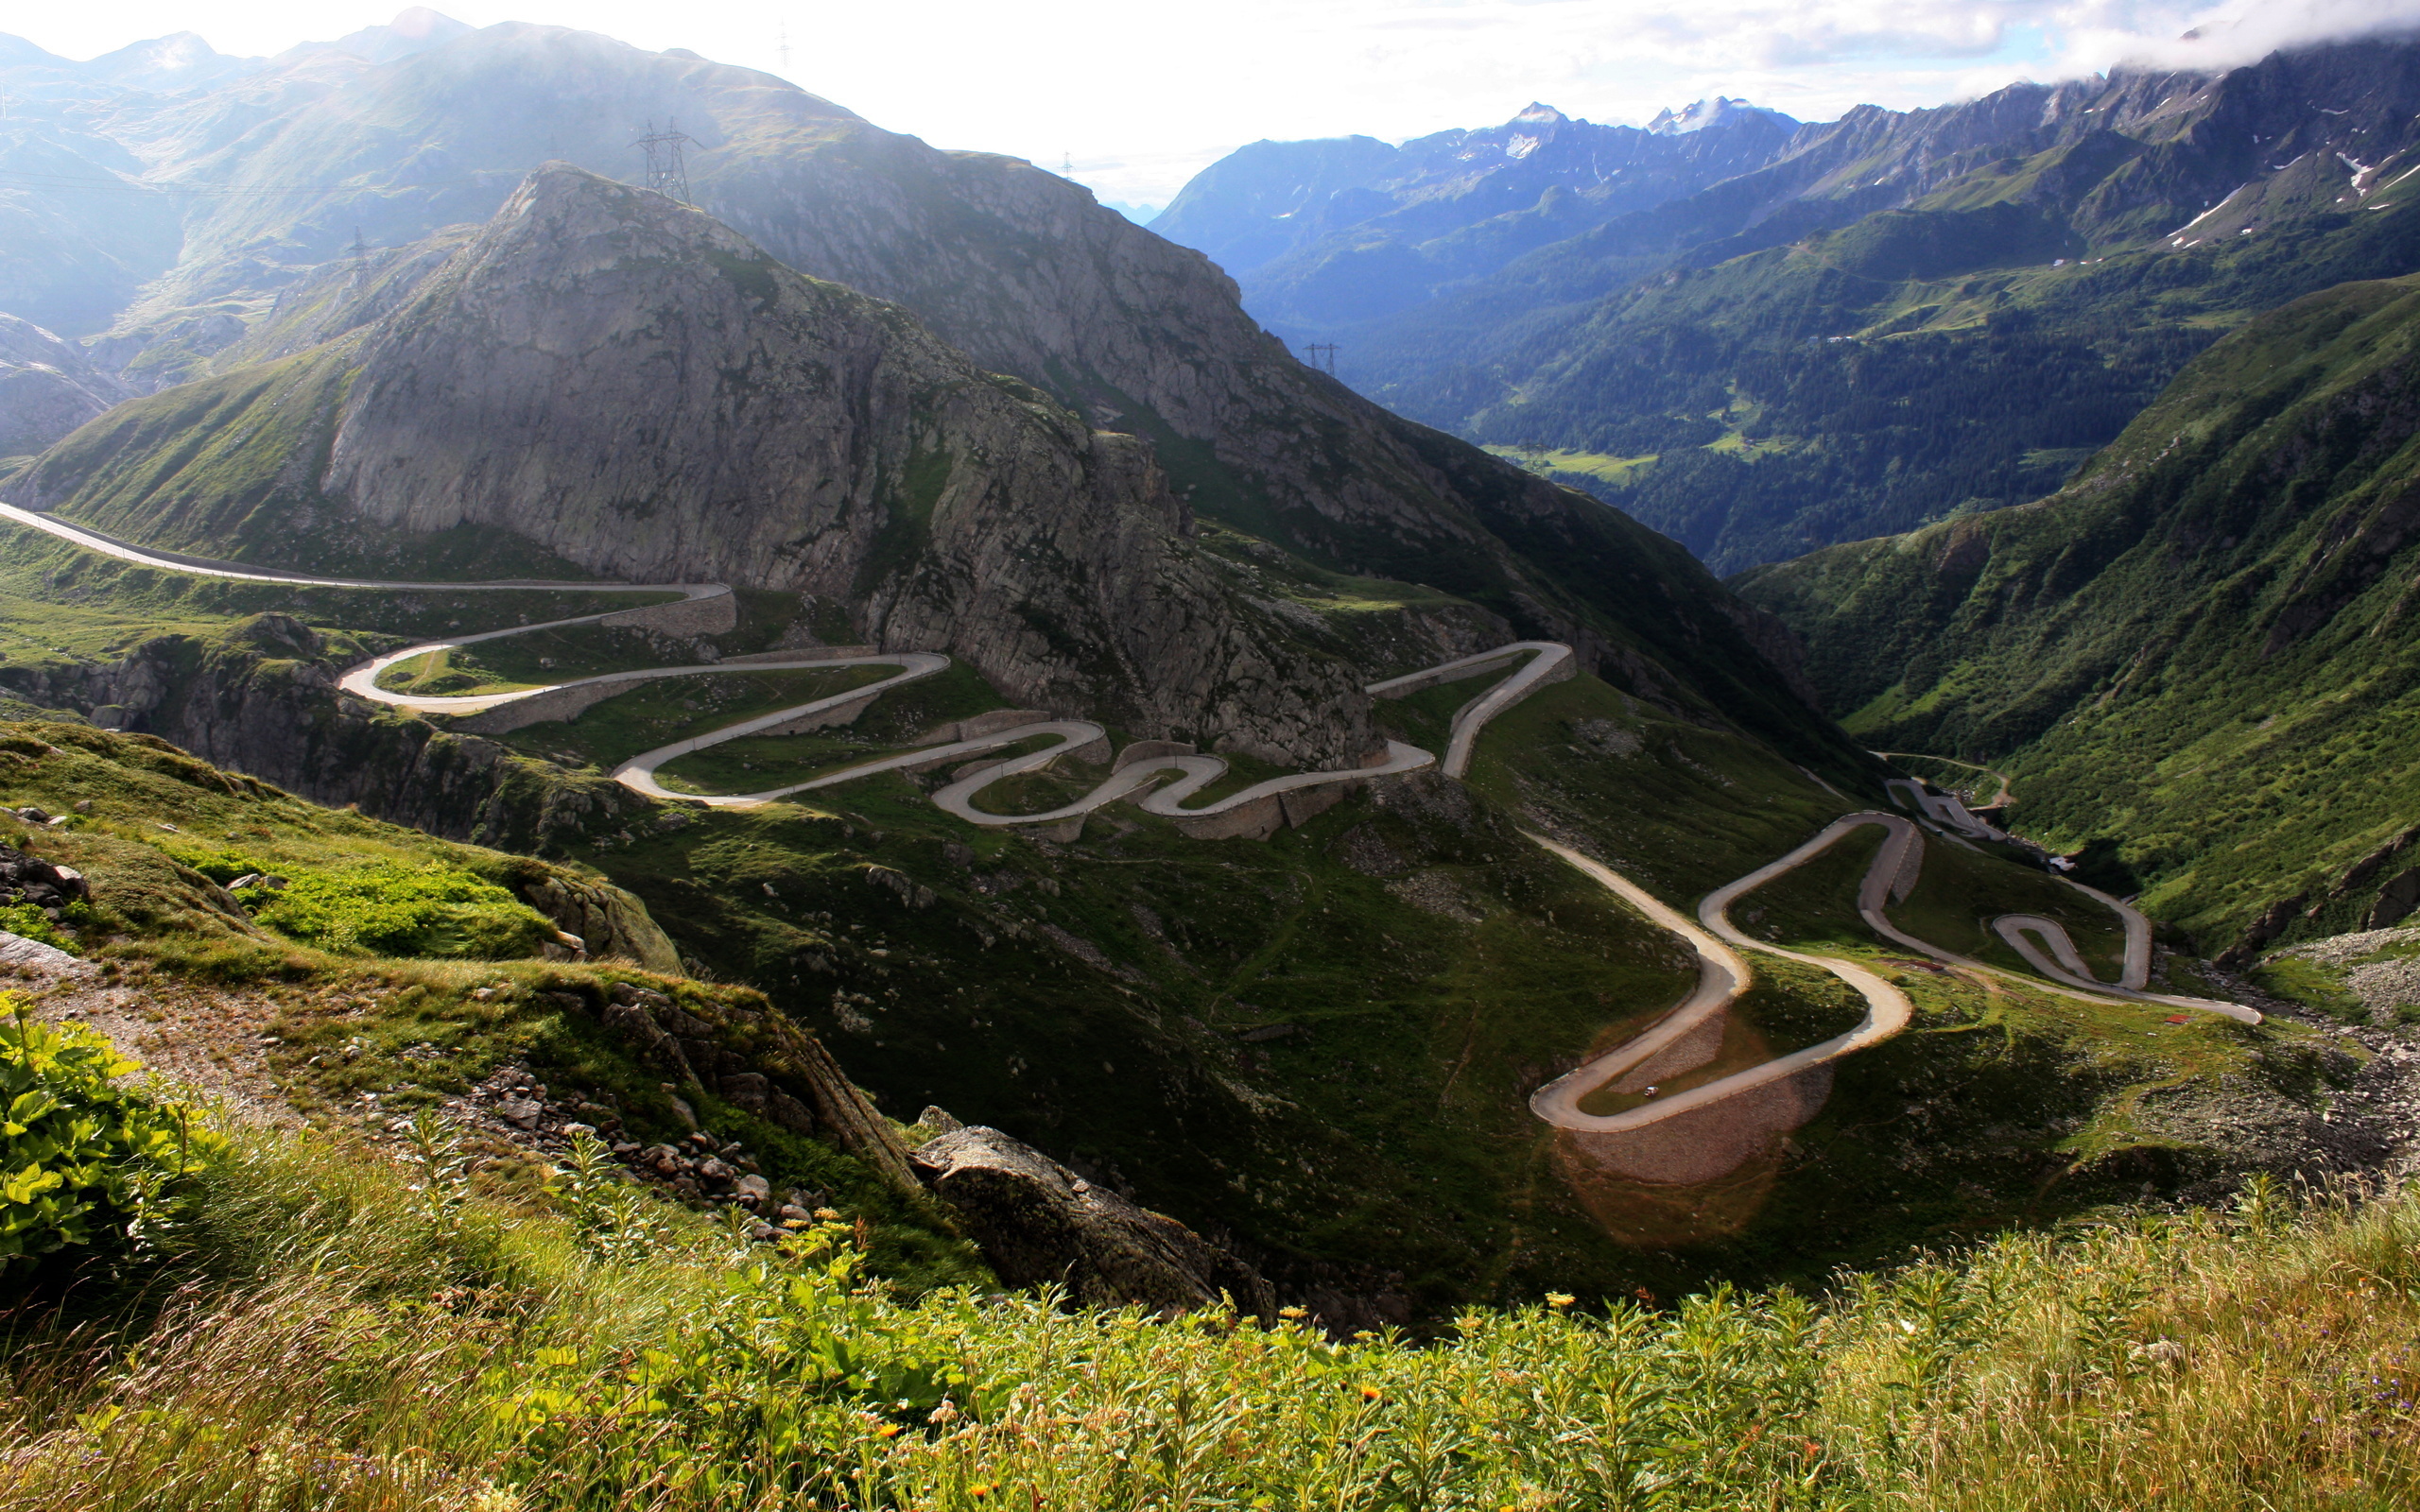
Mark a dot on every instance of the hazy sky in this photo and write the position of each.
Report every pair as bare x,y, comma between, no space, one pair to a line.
1141,94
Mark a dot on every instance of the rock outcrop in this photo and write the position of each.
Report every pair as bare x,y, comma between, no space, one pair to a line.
1039,1224
47,387
608,920
756,1059
640,391
30,880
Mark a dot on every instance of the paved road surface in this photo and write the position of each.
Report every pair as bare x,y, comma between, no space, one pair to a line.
1723,975
1141,781
1994,801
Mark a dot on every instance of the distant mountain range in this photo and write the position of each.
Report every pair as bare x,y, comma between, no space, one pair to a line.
1819,334
1351,228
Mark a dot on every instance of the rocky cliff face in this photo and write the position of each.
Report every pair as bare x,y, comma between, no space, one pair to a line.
639,390
47,387
263,702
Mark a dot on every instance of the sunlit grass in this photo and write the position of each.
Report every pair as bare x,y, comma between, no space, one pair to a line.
340,1331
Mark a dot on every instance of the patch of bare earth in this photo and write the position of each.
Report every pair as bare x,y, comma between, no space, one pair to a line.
208,1038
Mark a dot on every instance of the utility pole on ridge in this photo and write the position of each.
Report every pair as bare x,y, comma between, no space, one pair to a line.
664,173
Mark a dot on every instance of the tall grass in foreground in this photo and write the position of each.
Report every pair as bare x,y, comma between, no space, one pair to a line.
346,1334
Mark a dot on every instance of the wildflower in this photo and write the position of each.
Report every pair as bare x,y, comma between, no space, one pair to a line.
980,1489
1292,1313
1559,1300
1369,1394
827,1215
945,1413
886,1431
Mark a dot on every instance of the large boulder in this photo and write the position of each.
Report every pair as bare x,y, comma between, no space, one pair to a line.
1040,1224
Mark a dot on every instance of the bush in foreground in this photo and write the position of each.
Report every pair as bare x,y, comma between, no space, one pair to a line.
85,1160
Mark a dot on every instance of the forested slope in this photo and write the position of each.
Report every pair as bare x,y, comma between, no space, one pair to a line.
2199,654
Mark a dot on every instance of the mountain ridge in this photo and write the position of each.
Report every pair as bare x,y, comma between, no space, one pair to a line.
1132,332
797,437
1904,314
2190,660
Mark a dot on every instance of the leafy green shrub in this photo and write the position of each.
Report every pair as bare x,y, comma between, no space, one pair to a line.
82,1158
28,923
386,908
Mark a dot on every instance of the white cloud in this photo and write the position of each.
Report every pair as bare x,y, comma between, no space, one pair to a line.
1142,93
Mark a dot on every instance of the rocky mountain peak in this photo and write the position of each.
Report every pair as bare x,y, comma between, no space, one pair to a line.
639,389
412,30
1703,113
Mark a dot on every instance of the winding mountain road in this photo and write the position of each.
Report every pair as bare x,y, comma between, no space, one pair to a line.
1943,810
1723,975
1141,777
1994,801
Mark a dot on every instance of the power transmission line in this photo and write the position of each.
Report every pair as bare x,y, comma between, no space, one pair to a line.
664,173
1312,354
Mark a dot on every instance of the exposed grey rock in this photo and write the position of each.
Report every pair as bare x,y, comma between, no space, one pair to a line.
521,1111
1039,1224
801,437
608,920
29,879
32,954
746,1053
47,387
747,1089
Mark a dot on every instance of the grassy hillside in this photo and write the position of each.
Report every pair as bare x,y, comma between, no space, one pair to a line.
390,971
482,1351
2195,658
1845,387
1322,1044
